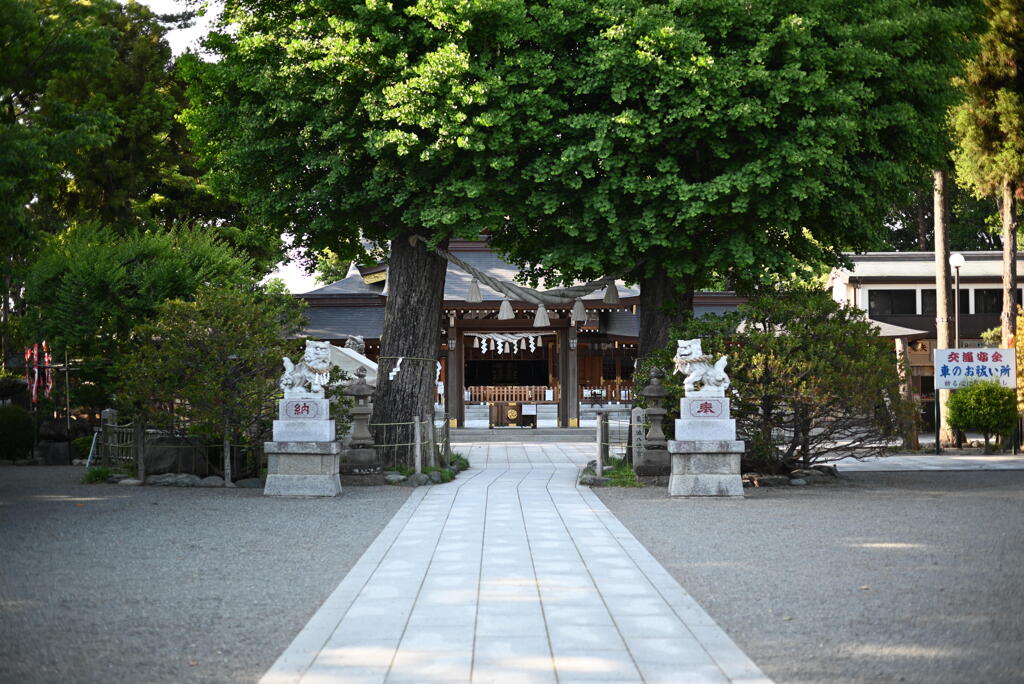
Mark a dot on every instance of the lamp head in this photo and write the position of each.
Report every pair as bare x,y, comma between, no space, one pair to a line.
956,260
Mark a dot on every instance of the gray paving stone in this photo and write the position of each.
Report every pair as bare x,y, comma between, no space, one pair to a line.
511,573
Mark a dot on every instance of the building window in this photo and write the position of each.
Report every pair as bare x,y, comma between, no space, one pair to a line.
892,302
989,301
928,302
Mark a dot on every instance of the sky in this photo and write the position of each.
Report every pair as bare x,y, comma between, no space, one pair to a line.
294,276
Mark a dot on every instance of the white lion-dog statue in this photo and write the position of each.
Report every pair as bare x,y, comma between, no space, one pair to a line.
696,367
308,376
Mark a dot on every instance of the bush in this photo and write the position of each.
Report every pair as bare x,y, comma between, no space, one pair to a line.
16,432
986,407
457,462
811,380
82,445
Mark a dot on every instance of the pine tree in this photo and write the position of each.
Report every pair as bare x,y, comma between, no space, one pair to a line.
990,130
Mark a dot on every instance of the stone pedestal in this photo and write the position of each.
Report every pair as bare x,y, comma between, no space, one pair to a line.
706,454
705,468
303,459
302,469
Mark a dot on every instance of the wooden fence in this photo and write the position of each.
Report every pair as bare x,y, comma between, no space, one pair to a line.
618,392
536,394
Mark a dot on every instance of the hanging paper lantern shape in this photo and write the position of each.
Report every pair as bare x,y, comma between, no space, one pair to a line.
504,347
579,312
522,343
476,342
473,295
611,295
505,313
541,320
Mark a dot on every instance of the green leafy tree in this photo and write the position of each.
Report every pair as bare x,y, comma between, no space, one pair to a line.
989,125
211,363
89,96
45,47
987,407
974,223
811,381
681,142
696,139
90,287
330,267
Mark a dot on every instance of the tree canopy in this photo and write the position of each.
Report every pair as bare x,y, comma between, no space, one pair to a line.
90,287
89,95
990,122
990,127
683,139
212,360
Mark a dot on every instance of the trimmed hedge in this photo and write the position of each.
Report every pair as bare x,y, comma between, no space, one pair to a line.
16,432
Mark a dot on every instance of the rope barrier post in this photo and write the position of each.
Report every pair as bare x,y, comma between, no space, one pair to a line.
432,441
602,442
416,438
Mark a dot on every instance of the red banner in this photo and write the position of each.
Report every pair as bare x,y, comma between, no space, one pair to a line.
35,373
48,363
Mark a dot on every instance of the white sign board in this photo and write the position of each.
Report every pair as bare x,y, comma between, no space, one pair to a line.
960,367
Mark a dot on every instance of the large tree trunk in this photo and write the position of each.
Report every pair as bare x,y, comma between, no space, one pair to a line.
920,211
412,333
1009,314
943,319
662,305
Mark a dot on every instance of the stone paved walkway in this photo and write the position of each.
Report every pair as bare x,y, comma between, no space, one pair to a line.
510,574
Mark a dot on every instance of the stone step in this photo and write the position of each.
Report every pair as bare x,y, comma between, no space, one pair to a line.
525,435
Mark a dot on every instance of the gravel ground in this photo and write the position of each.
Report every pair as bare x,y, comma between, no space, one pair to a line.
881,577
101,583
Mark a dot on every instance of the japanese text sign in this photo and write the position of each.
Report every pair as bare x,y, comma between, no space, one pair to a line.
960,367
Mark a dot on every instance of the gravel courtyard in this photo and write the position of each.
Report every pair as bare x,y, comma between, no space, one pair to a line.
101,583
883,577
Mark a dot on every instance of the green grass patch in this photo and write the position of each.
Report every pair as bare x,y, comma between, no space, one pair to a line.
404,470
97,474
457,461
621,474
446,474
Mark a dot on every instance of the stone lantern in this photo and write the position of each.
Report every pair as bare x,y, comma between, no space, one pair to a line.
361,454
655,393
652,458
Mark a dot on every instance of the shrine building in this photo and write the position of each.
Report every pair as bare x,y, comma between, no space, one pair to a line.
555,370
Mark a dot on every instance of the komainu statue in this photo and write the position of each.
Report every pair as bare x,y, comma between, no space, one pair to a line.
308,376
356,344
696,367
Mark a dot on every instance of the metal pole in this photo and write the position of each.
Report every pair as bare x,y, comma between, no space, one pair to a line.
956,338
938,421
956,305
599,461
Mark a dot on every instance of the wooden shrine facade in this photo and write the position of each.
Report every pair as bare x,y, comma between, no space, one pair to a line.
561,364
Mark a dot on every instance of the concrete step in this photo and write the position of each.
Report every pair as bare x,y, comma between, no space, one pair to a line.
525,435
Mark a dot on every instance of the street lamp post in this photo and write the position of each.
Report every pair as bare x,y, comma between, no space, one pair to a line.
956,260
